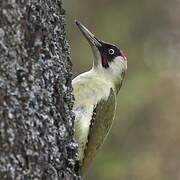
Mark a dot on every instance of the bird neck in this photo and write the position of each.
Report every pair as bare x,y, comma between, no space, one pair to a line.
109,77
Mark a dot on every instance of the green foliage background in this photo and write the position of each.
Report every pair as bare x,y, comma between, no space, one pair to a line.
144,143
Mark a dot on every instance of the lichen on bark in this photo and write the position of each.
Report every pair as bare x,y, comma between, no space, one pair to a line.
36,122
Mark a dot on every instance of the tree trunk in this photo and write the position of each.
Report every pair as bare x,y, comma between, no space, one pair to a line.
36,122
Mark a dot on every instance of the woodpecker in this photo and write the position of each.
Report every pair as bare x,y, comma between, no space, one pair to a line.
95,94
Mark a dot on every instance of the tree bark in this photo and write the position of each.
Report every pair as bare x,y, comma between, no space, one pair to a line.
36,122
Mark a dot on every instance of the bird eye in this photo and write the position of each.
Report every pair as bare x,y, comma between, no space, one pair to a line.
111,51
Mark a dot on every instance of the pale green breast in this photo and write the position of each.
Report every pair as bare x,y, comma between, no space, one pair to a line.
94,112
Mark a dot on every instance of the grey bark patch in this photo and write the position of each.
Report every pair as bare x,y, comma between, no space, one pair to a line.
36,122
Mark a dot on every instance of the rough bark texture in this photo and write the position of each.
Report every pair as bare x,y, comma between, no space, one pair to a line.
36,123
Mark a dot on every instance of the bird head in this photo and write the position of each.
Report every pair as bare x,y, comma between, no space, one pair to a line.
109,60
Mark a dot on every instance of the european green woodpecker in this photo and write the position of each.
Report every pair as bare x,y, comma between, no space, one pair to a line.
95,94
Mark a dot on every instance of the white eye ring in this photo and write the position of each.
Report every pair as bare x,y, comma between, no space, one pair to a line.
111,51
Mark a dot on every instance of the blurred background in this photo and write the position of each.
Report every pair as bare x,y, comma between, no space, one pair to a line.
144,142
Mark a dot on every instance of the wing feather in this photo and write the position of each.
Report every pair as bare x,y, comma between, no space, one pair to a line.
100,125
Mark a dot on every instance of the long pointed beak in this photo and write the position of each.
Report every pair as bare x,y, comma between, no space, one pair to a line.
88,35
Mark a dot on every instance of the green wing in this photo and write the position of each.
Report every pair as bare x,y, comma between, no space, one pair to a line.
101,122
